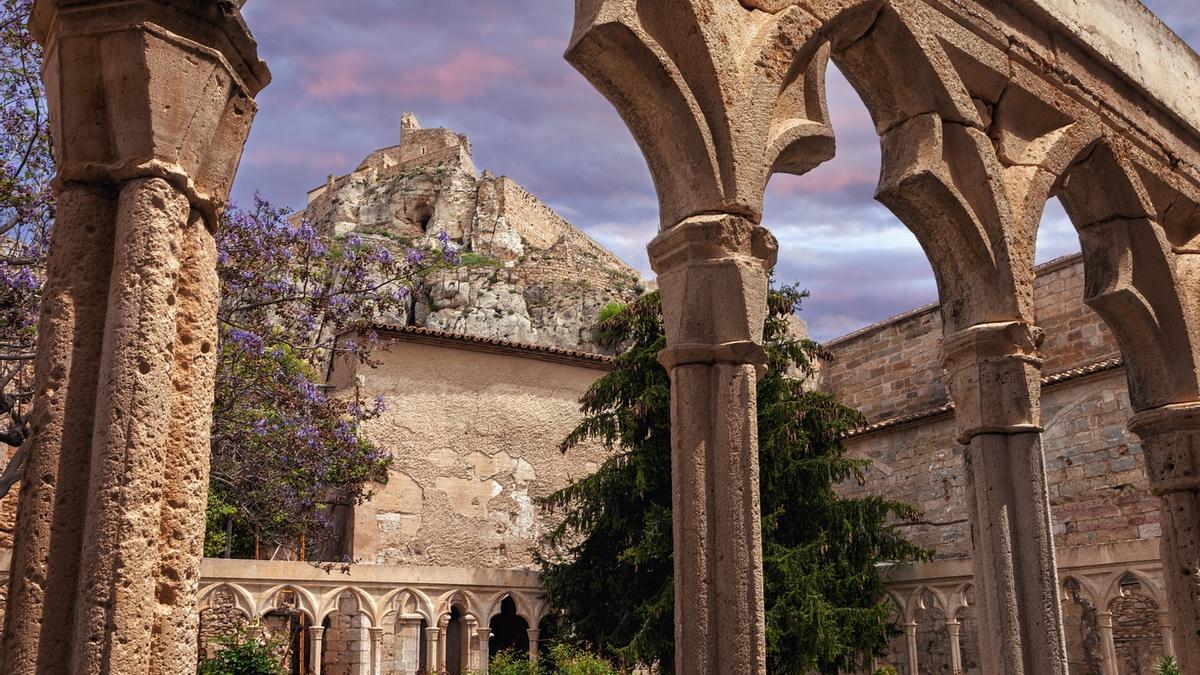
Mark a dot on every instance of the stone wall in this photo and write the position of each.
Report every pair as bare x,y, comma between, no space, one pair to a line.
1095,468
475,438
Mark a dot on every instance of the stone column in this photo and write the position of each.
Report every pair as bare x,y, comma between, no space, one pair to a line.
1171,441
1104,624
316,638
953,628
432,663
533,634
485,632
910,639
712,272
376,650
150,103
995,379
1168,636
467,645
443,637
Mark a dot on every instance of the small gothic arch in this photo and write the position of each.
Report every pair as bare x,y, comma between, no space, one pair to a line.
287,598
241,598
334,600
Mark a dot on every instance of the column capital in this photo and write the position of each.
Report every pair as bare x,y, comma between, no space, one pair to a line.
375,632
1171,434
431,632
149,88
995,378
316,632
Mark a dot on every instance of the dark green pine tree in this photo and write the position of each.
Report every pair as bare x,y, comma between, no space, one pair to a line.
608,566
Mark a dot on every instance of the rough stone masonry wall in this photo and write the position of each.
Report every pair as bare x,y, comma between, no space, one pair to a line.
1095,468
475,438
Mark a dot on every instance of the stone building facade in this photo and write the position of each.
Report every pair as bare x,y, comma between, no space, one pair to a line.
1104,517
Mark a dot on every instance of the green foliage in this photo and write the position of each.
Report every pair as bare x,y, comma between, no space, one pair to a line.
245,654
509,662
609,566
563,660
1168,666
471,259
887,670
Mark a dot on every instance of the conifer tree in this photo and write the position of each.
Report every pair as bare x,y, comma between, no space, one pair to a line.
608,566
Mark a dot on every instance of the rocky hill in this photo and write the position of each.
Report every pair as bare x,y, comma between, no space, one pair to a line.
527,274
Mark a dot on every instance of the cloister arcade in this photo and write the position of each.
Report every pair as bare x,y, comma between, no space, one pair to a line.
378,625
984,111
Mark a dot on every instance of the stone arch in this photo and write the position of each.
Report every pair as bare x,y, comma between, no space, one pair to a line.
331,602
242,598
406,600
1133,274
1137,631
346,639
223,612
963,606
1085,653
288,597
509,625
933,636
466,602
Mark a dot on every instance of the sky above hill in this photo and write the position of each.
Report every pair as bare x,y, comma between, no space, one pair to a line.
345,72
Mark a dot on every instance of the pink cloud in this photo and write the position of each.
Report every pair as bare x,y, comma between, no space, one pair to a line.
468,73
823,180
274,155
335,75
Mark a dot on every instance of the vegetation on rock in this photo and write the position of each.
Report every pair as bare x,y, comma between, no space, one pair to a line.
608,566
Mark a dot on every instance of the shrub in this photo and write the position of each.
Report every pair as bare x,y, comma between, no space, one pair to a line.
1168,666
245,653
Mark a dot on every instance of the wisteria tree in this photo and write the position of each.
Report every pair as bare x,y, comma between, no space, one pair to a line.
285,453
26,214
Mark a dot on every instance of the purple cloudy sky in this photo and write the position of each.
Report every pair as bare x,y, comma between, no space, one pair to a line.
345,71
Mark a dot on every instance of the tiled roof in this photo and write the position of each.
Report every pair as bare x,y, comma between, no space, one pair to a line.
492,345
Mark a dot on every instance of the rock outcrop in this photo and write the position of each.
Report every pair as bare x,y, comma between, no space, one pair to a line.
527,274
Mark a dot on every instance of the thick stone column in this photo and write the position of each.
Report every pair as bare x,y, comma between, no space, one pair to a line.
150,104
994,376
743,100
713,278
1171,441
316,654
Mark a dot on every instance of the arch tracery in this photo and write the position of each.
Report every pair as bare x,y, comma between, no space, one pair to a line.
975,140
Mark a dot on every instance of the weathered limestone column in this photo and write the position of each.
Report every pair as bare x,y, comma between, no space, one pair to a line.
910,639
150,103
1104,624
485,632
534,634
995,379
1171,441
744,100
376,650
953,630
431,649
316,638
712,273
